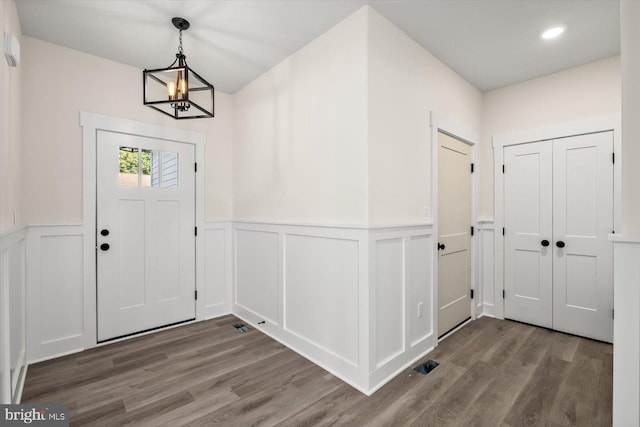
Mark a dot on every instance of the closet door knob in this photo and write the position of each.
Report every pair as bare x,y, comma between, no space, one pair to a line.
441,246
560,244
545,243
104,246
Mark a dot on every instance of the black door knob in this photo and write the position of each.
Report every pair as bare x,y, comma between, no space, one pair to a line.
545,243
104,246
560,244
104,232
441,246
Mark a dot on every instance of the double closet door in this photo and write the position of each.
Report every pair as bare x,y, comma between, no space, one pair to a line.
558,213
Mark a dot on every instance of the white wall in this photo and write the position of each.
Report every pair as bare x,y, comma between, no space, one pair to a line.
10,138
578,93
406,83
630,45
626,339
58,83
300,134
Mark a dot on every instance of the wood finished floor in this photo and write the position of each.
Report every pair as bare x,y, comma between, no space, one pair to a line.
491,373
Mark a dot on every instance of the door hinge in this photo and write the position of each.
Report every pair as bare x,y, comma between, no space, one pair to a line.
195,167
471,167
195,231
196,295
612,314
503,231
471,293
613,157
502,168
472,231
503,294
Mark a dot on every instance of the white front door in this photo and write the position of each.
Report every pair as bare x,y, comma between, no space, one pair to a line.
454,233
145,233
582,220
528,263
558,213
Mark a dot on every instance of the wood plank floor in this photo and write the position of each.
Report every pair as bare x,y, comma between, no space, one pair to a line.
491,373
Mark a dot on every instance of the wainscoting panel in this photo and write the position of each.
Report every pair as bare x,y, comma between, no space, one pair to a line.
485,256
420,268
13,350
56,293
389,287
321,293
257,272
218,272
402,298
626,338
312,283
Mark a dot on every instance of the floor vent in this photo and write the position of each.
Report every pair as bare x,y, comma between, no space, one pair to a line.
241,327
426,367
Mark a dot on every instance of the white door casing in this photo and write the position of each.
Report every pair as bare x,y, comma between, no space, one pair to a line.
454,228
528,222
146,278
582,220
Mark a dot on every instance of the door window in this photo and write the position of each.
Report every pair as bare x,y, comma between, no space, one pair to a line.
148,168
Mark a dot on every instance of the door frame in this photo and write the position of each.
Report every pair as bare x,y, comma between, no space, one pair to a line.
445,125
91,123
604,123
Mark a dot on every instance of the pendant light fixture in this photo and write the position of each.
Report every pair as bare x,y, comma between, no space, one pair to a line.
177,90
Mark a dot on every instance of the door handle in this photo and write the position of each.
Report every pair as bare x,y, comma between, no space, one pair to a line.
104,246
441,246
545,243
104,232
560,244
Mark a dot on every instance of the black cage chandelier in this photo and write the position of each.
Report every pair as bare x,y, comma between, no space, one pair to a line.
177,90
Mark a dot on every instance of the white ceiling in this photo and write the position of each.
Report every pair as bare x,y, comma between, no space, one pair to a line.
491,43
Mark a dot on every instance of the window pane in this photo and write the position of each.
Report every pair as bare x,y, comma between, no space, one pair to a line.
150,176
129,166
169,169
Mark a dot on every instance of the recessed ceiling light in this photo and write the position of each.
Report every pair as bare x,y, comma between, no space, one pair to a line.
552,33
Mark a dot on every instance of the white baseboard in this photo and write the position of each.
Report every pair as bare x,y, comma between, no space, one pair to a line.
487,311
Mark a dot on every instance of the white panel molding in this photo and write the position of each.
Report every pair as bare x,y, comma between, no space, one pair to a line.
440,123
13,353
415,275
214,292
315,271
258,273
485,263
604,123
60,312
350,366
323,265
626,339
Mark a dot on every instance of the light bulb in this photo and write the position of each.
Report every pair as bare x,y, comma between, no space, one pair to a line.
183,87
171,89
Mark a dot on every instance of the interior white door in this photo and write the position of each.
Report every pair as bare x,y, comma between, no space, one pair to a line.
528,264
582,220
145,233
454,232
